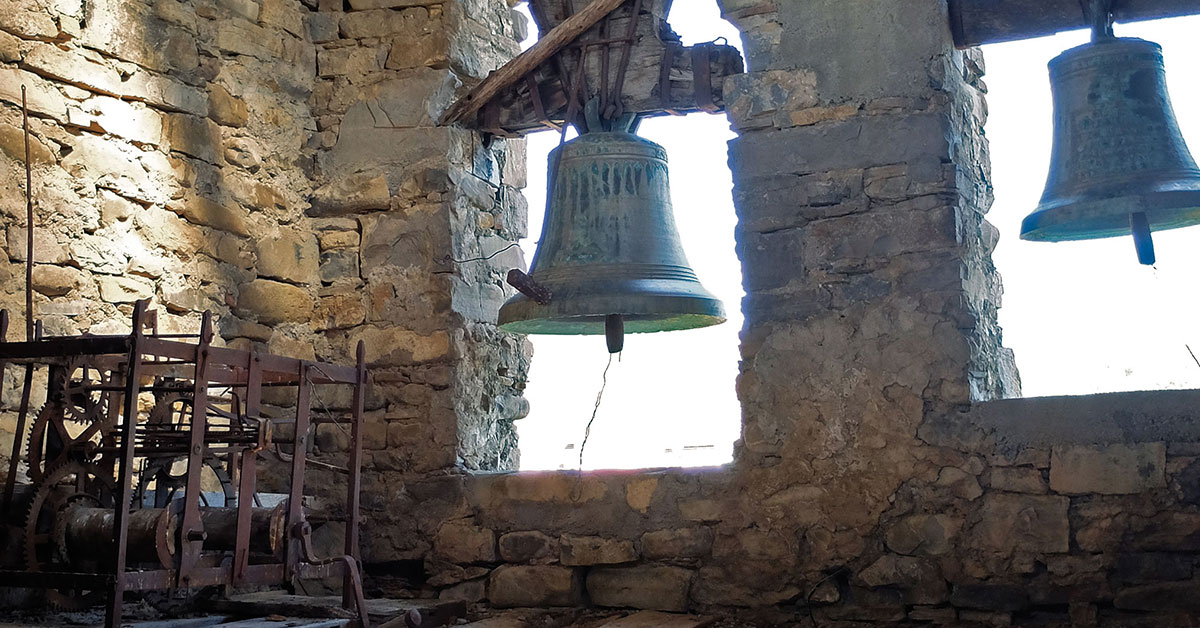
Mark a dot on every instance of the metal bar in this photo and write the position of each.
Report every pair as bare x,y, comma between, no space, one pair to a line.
60,347
112,618
296,489
10,482
353,485
631,38
191,536
28,222
979,22
247,476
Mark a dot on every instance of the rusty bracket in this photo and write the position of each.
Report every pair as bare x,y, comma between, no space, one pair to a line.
528,287
539,106
670,50
303,532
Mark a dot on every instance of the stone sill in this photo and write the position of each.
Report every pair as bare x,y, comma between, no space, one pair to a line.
1126,417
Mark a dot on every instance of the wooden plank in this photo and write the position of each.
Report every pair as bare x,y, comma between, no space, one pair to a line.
278,603
529,60
289,622
979,22
656,619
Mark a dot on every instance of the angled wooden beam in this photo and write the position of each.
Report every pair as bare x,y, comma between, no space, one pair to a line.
979,22
528,61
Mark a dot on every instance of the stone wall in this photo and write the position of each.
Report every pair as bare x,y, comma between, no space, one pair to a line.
878,480
277,163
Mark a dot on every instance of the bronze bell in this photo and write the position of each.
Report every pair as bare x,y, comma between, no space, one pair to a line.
609,255
1119,164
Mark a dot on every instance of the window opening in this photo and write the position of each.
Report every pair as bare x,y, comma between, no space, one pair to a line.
1085,317
670,399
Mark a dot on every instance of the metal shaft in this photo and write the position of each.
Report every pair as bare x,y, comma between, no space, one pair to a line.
28,222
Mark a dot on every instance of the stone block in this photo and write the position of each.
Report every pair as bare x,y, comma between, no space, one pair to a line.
55,281
461,542
990,597
352,62
512,586
919,579
1108,470
923,535
527,546
357,192
905,41
639,492
273,302
677,543
46,248
339,312
323,27
1141,567
860,142
1027,523
224,109
124,289
595,550
1160,596
401,347
386,22
132,121
208,212
285,14
649,587
12,143
1017,480
43,97
194,136
288,256
338,265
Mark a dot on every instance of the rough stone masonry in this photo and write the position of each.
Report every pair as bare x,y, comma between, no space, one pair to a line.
276,162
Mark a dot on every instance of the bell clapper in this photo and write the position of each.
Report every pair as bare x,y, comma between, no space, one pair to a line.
614,332
1142,240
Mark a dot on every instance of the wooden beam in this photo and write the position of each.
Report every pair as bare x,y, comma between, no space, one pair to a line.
528,61
979,22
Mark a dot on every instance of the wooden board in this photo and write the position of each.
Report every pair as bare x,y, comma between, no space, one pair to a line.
660,76
379,610
289,622
978,22
656,619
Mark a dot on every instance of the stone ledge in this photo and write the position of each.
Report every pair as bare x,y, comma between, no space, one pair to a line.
1127,417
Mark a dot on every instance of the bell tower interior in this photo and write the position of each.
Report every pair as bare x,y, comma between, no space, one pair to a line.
266,245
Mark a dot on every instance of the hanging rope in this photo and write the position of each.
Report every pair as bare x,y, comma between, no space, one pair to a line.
587,432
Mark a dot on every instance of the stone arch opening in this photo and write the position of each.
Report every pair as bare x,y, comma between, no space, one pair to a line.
675,392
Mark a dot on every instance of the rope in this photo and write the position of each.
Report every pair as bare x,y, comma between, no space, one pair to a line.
599,396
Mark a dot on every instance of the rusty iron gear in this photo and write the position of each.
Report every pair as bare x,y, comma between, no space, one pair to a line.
62,488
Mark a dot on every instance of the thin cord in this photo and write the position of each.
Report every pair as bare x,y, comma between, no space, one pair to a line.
588,431
448,259
1193,354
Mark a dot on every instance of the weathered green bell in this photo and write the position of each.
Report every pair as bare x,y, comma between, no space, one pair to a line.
1119,165
609,253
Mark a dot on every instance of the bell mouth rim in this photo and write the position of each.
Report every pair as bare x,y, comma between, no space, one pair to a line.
1085,217
594,324
585,315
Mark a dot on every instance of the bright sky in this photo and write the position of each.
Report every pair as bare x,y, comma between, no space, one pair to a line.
1082,317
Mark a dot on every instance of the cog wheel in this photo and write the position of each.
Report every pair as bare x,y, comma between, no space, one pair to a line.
62,489
74,420
53,440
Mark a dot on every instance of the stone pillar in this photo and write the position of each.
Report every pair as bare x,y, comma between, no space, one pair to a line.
861,180
398,201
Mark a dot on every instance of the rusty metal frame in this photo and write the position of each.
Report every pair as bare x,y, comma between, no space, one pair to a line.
138,361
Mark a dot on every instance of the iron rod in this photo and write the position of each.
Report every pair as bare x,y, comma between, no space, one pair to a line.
28,222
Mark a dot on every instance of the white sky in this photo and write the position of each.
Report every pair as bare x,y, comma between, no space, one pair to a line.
1082,317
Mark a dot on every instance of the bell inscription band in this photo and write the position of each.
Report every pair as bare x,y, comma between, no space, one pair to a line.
609,247
1119,165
